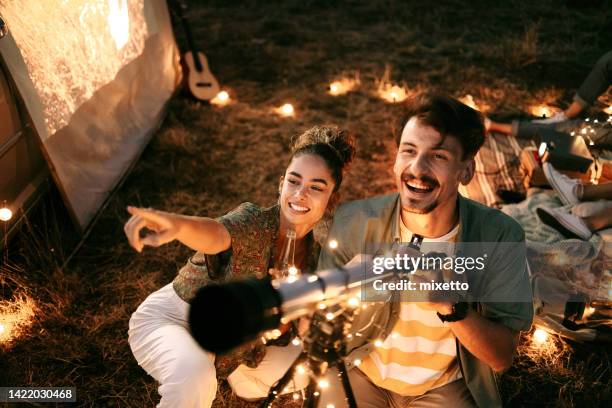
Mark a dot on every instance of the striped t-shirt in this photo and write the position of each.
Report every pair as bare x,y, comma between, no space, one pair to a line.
420,353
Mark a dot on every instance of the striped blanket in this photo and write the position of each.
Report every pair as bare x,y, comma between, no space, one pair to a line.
497,168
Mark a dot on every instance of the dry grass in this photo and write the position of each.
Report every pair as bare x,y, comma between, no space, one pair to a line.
207,160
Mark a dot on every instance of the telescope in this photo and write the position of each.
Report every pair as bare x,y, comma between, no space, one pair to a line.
224,316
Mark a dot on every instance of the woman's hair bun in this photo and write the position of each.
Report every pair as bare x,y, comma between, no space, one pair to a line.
339,141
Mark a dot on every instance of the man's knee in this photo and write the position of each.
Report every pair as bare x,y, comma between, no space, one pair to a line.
192,382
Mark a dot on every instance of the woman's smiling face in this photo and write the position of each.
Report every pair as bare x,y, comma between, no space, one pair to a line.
305,190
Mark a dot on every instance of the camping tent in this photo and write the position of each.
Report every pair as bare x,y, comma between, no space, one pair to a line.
94,77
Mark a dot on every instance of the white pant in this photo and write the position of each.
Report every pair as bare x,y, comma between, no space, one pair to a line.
160,340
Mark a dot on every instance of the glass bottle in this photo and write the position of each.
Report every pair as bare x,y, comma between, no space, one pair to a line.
287,265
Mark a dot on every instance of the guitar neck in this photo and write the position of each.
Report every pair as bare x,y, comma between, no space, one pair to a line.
189,36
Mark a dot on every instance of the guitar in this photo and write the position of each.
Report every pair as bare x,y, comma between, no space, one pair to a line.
200,81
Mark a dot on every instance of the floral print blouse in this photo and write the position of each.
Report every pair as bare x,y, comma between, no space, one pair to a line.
254,232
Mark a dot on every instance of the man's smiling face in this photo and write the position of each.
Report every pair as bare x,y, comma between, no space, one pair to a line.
429,167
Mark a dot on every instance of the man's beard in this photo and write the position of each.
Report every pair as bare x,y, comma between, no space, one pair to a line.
408,207
412,205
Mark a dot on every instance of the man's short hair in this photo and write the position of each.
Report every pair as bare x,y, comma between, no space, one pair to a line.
449,117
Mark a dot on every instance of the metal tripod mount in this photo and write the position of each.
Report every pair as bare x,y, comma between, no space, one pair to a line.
324,347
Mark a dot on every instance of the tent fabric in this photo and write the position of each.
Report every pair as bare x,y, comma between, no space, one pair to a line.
93,115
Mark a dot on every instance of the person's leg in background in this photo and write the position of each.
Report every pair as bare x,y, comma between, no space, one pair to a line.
455,394
596,83
160,340
367,395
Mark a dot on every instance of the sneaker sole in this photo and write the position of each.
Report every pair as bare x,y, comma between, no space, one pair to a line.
551,221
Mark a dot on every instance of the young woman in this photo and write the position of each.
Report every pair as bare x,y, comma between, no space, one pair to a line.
247,241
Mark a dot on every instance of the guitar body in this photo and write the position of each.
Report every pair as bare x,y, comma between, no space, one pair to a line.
201,82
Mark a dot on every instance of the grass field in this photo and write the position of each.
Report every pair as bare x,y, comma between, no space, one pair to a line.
205,160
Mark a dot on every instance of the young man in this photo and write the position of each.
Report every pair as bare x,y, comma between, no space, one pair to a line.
430,354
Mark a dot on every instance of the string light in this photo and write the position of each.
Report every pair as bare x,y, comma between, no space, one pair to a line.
333,244
357,362
353,302
393,93
378,343
5,214
15,317
300,369
343,85
293,271
285,110
330,406
221,99
323,384
296,396
540,336
329,316
542,111
296,341
388,91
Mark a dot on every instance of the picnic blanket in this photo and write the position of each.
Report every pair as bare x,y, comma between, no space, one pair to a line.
563,268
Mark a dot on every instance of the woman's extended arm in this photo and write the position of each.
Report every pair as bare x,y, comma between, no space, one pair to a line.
199,233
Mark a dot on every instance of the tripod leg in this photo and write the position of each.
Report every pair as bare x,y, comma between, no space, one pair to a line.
312,394
346,384
276,390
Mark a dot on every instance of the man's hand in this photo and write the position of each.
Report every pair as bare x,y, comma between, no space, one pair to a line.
163,226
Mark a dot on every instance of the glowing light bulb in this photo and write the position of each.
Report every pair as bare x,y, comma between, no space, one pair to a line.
330,406
357,362
353,302
329,316
323,384
608,110
343,85
333,244
300,369
542,111
540,336
221,99
2,329
321,306
5,214
293,271
296,396
285,110
378,343
296,342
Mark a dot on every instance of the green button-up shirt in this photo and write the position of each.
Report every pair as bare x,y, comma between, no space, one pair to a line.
367,223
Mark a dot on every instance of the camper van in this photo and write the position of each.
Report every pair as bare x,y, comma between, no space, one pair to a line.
23,171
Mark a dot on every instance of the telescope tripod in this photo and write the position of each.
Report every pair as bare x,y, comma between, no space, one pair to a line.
324,347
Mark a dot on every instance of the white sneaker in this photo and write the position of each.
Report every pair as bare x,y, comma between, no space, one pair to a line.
567,224
556,118
565,187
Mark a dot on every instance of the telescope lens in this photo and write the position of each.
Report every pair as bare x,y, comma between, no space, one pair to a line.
224,316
